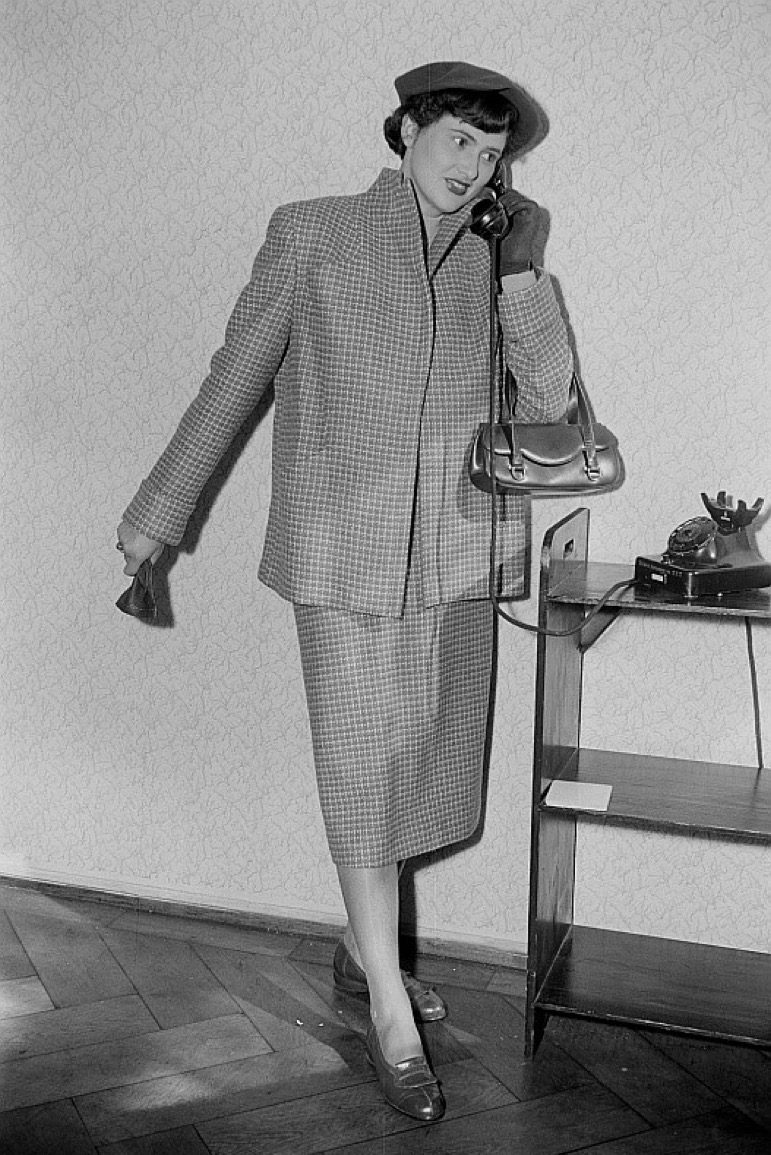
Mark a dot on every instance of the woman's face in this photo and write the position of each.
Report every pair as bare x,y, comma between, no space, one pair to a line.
449,163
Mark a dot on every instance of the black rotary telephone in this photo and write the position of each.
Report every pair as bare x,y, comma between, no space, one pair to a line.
709,555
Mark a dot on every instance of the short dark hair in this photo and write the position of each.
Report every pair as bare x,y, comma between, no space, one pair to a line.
487,111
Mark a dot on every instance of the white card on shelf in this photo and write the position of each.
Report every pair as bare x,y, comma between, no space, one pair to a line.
578,795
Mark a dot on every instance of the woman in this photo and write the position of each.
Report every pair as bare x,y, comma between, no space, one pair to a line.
370,314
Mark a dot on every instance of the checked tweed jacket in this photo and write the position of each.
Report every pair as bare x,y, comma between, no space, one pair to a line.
379,355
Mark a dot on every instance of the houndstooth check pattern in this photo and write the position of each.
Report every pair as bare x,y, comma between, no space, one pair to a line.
380,366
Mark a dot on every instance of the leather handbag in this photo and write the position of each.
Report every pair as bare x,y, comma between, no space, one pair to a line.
578,455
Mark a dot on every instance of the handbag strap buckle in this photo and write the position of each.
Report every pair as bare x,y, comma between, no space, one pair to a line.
517,462
592,466
580,414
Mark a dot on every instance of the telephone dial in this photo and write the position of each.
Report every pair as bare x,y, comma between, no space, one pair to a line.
709,555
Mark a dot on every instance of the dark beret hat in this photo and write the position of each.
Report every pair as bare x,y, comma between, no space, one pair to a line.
443,74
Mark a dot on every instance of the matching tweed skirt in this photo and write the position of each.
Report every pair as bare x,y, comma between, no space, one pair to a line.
398,711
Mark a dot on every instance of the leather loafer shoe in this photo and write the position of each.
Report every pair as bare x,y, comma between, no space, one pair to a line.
410,1086
428,1006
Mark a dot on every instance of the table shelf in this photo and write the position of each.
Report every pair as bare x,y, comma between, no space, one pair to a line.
635,979
676,794
585,584
643,981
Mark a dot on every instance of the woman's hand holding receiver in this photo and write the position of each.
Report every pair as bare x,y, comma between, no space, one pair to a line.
516,253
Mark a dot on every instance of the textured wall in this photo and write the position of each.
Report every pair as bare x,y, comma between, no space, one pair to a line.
144,148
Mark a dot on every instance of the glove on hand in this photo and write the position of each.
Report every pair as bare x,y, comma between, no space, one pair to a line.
139,599
516,251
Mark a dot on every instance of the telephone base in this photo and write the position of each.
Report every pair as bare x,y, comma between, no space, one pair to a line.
708,581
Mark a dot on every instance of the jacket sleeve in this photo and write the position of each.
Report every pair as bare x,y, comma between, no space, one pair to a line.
536,350
256,339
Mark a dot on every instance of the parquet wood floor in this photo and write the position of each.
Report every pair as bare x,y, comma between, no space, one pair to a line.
128,1033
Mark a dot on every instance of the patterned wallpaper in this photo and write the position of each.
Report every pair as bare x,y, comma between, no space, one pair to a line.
145,146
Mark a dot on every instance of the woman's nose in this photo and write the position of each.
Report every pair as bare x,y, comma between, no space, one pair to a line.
470,167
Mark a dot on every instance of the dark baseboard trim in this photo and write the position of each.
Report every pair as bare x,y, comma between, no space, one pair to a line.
421,947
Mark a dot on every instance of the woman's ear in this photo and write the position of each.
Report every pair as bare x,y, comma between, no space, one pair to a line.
409,130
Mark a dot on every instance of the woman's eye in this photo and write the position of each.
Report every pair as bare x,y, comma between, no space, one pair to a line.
460,141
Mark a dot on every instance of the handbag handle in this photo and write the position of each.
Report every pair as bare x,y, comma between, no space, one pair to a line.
579,413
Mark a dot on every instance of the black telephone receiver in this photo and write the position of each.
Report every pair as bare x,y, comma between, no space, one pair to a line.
489,218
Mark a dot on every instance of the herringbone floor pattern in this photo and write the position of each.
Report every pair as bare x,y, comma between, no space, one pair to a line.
127,1033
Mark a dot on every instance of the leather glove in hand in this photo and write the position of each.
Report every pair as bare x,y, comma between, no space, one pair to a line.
516,247
140,554
139,599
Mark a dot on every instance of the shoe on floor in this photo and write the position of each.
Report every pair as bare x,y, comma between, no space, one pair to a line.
410,1087
429,1007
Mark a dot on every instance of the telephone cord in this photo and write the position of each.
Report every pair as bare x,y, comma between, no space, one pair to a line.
755,693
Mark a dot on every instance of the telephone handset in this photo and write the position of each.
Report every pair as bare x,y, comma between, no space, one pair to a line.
489,218
709,555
